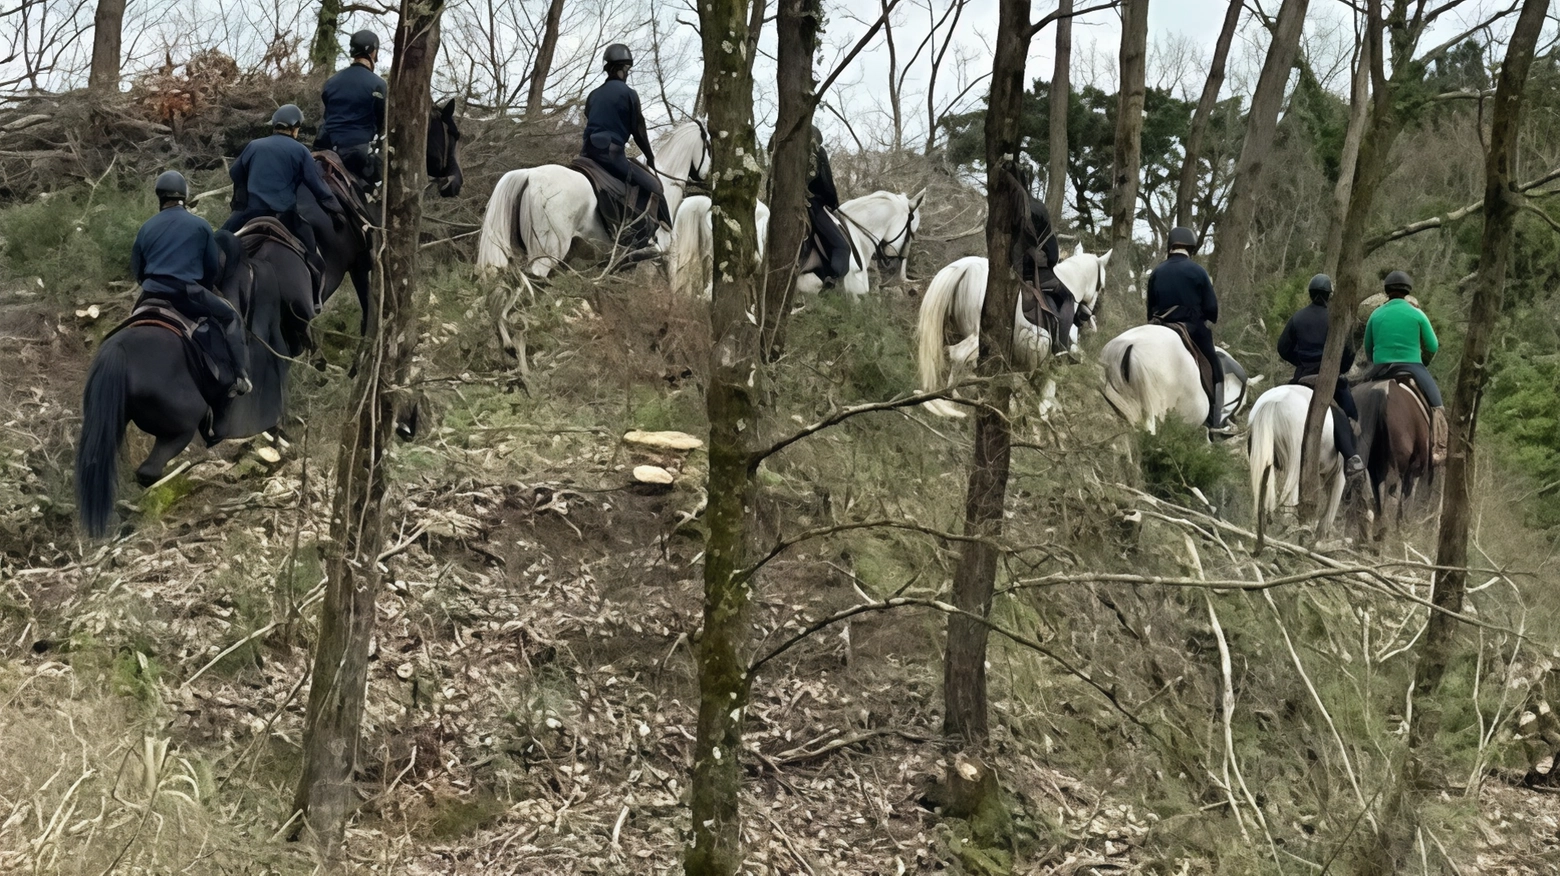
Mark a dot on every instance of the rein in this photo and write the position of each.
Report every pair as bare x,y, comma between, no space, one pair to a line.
880,244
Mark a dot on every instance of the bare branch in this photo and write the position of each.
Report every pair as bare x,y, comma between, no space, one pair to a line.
843,414
1057,16
1432,222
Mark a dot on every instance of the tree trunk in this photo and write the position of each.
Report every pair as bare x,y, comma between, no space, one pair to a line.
325,793
964,670
1229,256
107,39
1359,111
1061,99
544,60
1129,125
894,103
1501,203
796,30
324,49
1186,189
722,650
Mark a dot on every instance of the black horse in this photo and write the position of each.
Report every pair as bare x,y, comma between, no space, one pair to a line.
142,374
346,252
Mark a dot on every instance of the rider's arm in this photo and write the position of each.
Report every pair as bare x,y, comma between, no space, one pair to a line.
1286,343
1369,344
211,261
137,259
316,184
830,194
1427,338
1210,301
1149,296
641,137
379,107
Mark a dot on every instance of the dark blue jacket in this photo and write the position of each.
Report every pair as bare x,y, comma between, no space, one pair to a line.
354,109
613,116
174,249
272,168
1303,339
1179,290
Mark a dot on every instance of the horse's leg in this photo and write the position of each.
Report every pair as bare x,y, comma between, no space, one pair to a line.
360,277
151,471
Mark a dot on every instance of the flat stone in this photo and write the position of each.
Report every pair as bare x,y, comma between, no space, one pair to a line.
269,454
664,440
652,474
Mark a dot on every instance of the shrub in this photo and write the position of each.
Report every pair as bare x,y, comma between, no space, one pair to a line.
1178,458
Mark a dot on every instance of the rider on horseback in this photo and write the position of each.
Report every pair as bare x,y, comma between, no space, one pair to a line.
1035,254
823,204
1398,337
1179,290
266,178
355,110
175,258
612,117
1301,346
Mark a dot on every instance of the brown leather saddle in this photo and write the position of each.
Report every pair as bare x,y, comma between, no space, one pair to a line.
269,229
158,313
1406,380
349,193
1204,367
628,211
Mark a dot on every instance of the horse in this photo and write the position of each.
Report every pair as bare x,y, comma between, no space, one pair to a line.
1394,442
347,252
952,307
538,212
142,374
880,226
1149,375
1273,448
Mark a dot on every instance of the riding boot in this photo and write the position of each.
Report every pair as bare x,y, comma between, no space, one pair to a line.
1216,407
1440,435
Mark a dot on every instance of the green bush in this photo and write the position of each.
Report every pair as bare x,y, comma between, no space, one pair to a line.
77,240
1179,457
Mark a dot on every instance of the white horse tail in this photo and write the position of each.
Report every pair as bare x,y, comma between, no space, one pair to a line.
691,243
1261,447
500,236
1119,391
929,332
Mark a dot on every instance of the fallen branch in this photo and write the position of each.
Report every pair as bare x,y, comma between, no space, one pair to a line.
1374,243
843,414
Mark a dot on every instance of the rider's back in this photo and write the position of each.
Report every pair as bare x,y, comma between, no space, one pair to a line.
611,112
1399,332
354,107
173,249
1180,290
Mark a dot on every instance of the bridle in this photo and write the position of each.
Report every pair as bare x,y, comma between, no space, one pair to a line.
693,172
880,254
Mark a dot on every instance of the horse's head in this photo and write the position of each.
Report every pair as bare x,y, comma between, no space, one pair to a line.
444,150
683,156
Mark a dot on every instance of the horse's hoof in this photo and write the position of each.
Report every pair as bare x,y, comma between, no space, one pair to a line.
146,480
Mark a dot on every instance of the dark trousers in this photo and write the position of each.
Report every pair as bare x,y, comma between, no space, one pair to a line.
836,254
1421,374
361,161
614,159
1344,411
197,302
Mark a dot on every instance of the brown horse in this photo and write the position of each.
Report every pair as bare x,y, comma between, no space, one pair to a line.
1394,442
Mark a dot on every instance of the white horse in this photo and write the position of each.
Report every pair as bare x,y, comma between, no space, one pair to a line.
880,227
1277,429
691,265
1149,375
538,212
954,300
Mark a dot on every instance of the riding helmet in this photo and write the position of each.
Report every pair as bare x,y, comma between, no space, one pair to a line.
1321,287
171,186
364,43
287,116
616,54
1398,278
1183,238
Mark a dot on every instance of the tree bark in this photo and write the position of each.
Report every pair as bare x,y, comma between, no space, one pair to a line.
325,793
108,26
1234,229
1129,124
542,68
964,669
1061,99
1186,188
731,403
324,49
895,106
796,31
1359,111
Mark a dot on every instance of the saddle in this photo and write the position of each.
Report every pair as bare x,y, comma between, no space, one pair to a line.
348,189
1405,379
627,210
204,348
1204,367
815,249
269,229
1039,304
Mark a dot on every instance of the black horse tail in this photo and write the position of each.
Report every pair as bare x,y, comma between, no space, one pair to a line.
1126,366
103,424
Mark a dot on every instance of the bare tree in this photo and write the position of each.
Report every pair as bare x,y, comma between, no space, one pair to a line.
796,28
1186,189
1359,107
107,42
324,49
333,726
1061,101
544,59
1129,123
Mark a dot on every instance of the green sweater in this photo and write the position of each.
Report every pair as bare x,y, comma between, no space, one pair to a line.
1399,332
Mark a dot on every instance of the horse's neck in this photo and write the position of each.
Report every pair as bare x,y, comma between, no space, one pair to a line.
878,216
1080,273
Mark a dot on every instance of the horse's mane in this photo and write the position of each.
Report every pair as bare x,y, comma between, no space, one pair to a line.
677,150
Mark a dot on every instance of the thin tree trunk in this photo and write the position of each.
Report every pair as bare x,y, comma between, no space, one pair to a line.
731,403
542,68
1061,100
1129,124
107,40
1233,230
964,670
324,49
893,80
333,726
1186,189
796,30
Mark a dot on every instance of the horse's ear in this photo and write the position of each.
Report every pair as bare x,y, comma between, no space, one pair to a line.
1078,249
1104,259
915,199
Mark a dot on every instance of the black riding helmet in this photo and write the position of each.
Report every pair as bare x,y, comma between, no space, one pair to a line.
171,186
1183,238
364,43
1321,288
287,116
617,54
1398,284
